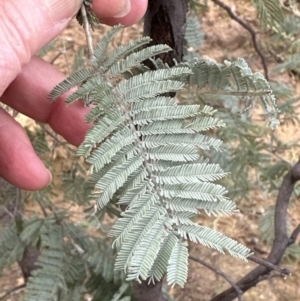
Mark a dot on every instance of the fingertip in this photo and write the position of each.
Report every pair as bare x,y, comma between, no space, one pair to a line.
49,178
25,169
137,11
35,175
27,173
108,8
19,164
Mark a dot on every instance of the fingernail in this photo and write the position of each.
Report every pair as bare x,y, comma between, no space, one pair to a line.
125,10
50,177
63,9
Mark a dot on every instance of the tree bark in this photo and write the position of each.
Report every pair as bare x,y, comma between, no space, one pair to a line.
148,292
165,23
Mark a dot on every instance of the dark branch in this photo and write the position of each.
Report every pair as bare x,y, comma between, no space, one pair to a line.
42,208
219,272
271,275
281,241
294,235
11,291
148,292
55,137
251,31
269,265
28,263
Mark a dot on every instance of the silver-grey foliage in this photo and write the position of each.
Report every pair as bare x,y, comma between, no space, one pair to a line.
146,152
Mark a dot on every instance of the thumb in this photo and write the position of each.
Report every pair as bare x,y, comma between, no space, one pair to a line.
25,27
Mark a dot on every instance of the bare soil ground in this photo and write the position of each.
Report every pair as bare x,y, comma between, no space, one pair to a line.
224,39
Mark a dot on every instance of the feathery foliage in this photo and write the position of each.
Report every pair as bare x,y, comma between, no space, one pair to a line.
11,247
90,15
177,265
46,282
193,34
235,79
269,12
145,152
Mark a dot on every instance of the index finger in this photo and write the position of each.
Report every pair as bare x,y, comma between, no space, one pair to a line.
28,94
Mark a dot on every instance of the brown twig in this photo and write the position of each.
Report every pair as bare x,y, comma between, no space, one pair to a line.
260,251
56,57
294,235
270,276
12,290
87,31
269,265
281,241
221,273
55,137
59,54
248,28
42,208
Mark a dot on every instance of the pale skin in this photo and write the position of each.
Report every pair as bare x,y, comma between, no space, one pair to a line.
26,80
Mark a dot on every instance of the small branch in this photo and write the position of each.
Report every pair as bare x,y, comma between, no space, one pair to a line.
221,273
269,265
294,235
260,251
42,208
281,241
248,28
7,211
56,57
237,93
12,290
54,136
87,31
62,52
279,157
270,276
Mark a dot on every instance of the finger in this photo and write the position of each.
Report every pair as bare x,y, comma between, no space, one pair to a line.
28,94
132,12
19,164
105,9
26,26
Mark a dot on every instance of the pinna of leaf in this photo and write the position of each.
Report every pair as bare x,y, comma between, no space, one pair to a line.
147,152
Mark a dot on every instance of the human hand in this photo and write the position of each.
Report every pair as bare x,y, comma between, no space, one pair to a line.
26,80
